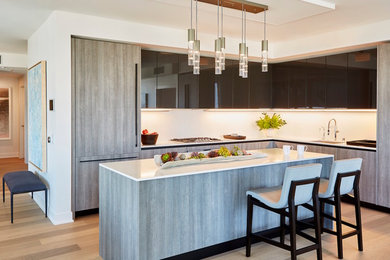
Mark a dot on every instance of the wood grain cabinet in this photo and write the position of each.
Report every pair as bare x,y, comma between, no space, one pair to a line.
106,111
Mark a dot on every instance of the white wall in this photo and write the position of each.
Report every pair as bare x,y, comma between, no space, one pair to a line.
22,85
52,42
303,125
13,60
41,46
10,148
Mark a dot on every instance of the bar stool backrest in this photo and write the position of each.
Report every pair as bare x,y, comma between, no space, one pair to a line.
303,193
339,167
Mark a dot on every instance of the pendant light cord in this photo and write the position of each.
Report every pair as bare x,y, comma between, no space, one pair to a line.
218,20
196,30
265,27
222,18
242,23
191,14
245,25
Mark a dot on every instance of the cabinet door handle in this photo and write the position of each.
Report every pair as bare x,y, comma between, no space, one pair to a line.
136,105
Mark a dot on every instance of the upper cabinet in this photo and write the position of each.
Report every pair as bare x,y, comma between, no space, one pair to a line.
336,81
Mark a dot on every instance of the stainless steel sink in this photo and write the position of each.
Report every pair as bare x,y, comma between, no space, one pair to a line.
328,142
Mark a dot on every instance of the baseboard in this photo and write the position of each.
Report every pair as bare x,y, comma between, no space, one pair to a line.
367,205
86,212
55,218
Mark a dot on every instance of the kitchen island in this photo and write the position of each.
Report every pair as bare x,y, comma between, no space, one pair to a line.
151,213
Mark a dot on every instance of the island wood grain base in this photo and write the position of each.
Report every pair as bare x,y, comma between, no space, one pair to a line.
161,218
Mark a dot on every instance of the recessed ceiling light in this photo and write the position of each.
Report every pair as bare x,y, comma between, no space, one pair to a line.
323,3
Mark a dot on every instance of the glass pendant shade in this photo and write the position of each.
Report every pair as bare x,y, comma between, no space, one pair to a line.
191,40
245,72
264,54
218,52
222,59
242,50
196,68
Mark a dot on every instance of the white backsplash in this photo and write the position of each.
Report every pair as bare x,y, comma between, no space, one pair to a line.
179,123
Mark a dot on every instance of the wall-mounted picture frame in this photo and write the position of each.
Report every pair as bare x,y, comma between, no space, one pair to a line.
37,128
5,113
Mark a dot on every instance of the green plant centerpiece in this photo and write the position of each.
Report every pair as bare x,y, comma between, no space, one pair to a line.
266,123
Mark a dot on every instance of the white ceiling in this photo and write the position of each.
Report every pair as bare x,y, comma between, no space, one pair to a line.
288,19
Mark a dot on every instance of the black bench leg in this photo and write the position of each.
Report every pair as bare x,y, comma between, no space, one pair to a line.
12,207
32,195
3,191
46,203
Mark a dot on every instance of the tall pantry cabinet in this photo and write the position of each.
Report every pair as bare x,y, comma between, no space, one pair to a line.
105,112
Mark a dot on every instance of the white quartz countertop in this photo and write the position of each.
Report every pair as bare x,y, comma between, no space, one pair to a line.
256,139
146,169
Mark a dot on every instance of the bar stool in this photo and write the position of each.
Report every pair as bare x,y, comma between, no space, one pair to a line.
343,179
300,186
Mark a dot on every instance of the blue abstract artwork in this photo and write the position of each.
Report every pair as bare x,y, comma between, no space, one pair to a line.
37,116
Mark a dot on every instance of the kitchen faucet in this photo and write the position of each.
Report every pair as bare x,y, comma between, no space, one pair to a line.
336,131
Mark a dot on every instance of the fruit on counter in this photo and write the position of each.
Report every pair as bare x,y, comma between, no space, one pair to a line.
237,151
166,157
196,155
213,154
201,156
223,151
146,132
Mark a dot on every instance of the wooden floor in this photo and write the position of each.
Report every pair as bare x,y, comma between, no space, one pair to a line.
32,236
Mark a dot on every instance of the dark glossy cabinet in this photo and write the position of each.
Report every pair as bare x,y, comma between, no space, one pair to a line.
280,82
336,81
316,82
260,86
297,85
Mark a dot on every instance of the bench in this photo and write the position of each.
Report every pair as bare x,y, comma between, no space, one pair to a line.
23,182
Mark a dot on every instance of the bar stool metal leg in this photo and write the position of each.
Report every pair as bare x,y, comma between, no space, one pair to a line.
317,227
282,228
293,232
338,226
322,210
249,226
358,219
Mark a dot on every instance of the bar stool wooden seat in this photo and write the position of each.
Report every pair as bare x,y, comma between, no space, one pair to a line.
300,187
343,179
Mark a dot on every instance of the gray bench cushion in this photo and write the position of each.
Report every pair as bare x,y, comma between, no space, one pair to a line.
24,181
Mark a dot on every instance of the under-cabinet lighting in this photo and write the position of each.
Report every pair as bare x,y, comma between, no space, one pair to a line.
287,110
155,109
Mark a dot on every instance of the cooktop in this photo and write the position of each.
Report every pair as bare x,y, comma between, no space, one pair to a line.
195,140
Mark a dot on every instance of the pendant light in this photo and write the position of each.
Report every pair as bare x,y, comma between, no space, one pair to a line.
218,48
264,47
222,40
243,49
191,39
196,68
